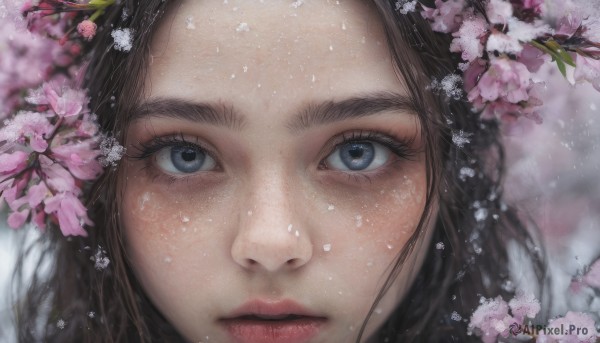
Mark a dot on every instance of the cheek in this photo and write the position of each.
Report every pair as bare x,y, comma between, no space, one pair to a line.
170,230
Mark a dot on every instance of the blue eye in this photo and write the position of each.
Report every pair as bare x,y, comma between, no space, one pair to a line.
184,160
358,156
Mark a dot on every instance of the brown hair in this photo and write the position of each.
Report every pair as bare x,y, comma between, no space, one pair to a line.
474,262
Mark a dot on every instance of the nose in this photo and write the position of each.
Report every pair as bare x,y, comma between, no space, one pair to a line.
268,239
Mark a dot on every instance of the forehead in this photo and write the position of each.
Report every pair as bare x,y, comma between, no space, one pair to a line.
252,48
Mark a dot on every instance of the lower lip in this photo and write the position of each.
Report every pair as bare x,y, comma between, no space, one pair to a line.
264,331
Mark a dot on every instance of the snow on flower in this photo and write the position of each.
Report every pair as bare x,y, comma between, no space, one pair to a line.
491,319
524,305
588,69
446,17
467,40
499,11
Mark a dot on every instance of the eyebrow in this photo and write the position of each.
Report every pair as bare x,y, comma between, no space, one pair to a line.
313,114
355,107
216,114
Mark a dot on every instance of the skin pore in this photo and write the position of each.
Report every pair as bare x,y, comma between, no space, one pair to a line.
236,189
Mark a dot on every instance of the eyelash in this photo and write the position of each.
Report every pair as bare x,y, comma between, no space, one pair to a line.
401,148
147,150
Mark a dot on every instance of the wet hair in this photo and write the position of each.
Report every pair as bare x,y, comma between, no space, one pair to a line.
109,305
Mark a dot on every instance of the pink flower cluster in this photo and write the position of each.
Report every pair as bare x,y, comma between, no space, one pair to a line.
45,157
492,317
503,48
50,144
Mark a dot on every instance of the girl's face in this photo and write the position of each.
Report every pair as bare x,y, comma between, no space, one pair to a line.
276,172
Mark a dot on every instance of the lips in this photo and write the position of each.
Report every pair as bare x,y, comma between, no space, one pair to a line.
272,322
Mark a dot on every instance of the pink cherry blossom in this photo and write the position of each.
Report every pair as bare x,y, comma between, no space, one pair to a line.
17,219
27,126
70,212
80,158
87,29
588,69
57,177
37,193
467,40
491,319
12,163
63,100
506,80
499,11
570,329
533,58
524,305
446,16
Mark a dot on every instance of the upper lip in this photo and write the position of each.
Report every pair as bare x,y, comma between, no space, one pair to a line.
266,309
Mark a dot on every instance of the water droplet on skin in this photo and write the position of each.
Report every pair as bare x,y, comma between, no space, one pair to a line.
245,68
358,219
143,200
297,233
327,247
168,259
378,311
185,219
340,292
330,207
351,328
232,76
390,247
330,278
249,213
440,246
344,26
369,264
189,23
313,78
330,47
290,227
